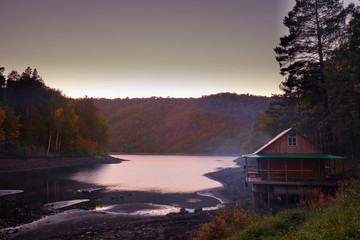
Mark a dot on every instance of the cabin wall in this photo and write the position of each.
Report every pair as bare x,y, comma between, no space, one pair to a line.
291,170
281,146
281,179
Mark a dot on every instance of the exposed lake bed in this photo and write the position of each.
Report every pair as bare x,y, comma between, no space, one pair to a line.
145,204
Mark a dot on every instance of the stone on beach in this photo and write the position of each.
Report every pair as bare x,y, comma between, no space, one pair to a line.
63,204
9,192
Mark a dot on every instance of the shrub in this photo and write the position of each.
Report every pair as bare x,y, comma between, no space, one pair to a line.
339,221
315,200
226,222
272,226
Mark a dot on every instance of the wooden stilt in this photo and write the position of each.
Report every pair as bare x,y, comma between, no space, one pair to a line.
254,199
268,202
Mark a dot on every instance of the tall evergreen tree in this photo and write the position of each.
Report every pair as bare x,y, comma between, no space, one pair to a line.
2,77
315,28
343,74
2,85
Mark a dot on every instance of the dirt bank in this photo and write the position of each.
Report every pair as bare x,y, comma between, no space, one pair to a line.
81,224
10,165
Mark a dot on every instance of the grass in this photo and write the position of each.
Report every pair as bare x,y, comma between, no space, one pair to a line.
340,219
272,227
329,218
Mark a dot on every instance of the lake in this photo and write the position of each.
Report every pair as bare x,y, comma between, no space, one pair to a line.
142,182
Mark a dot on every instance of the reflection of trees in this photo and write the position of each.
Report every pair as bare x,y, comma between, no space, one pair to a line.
55,190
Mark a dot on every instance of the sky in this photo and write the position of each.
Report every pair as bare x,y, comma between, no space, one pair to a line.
145,48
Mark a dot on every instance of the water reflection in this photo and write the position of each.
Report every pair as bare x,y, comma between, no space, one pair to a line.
162,180
157,173
39,187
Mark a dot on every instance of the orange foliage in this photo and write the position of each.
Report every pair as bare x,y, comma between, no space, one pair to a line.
89,146
211,124
315,200
227,222
58,112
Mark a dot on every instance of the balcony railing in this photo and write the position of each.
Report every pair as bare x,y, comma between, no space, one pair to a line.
284,175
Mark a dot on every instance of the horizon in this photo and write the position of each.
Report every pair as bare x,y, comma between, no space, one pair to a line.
169,97
135,49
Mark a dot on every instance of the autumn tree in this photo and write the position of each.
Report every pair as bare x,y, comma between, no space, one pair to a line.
37,120
212,124
94,131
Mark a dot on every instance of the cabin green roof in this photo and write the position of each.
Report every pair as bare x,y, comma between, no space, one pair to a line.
292,155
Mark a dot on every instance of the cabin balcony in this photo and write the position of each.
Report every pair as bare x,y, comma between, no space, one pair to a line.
290,177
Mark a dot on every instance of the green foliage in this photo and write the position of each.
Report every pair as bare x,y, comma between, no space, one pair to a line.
340,219
2,77
37,120
273,227
314,27
211,124
270,123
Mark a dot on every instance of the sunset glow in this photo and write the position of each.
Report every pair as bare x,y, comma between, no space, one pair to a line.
146,48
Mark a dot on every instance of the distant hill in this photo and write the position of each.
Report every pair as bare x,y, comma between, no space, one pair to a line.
215,124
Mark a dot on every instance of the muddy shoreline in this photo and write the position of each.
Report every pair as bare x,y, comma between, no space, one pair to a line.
14,165
87,224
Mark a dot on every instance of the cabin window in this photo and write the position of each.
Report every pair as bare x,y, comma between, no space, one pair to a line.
292,141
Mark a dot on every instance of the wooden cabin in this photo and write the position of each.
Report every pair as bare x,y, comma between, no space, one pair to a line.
289,166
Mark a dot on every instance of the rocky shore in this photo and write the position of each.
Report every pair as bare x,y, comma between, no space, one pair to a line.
82,224
88,224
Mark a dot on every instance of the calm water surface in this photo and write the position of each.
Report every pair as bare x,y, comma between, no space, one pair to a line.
158,173
144,179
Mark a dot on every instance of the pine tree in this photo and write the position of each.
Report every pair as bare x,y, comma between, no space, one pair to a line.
315,28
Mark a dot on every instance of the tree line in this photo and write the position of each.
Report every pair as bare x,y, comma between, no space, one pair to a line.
215,124
320,61
36,120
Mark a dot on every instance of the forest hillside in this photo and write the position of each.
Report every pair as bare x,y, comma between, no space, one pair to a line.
215,124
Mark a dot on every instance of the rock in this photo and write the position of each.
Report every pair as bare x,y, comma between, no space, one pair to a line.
39,205
183,211
13,230
172,214
199,209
